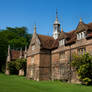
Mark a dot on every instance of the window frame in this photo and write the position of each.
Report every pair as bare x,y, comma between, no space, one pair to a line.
62,42
81,35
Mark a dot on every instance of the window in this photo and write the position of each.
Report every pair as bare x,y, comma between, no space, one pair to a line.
55,28
33,47
80,35
32,60
62,55
81,50
83,35
62,42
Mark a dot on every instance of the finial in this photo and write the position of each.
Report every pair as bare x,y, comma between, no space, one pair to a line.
62,29
56,14
25,52
9,50
35,28
20,53
80,19
8,46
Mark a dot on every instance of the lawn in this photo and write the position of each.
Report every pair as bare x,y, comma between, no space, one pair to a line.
14,83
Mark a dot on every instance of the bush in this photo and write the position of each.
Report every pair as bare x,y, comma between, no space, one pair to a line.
12,67
87,81
83,65
15,66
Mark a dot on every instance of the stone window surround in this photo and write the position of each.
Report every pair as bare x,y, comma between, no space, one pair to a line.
62,42
81,35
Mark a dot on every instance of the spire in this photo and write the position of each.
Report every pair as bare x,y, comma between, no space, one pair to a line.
56,15
8,56
8,50
80,19
56,21
7,61
35,28
20,53
25,52
62,29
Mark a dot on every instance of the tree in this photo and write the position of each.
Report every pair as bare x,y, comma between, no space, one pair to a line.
3,51
15,66
83,65
15,37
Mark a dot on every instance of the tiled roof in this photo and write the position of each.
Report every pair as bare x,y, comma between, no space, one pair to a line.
15,54
89,35
48,42
89,26
72,34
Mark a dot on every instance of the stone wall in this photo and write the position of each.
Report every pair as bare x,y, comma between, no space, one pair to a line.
58,64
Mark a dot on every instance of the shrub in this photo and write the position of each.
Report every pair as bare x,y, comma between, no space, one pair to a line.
15,66
83,65
87,81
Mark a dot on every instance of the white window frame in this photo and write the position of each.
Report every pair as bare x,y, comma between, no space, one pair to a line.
80,35
62,42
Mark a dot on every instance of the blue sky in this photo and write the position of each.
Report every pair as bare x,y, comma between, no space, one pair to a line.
18,13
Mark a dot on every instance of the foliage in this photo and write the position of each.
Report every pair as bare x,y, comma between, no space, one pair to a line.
83,65
3,51
87,81
15,66
17,38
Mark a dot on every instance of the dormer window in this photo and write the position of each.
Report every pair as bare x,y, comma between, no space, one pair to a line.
33,47
62,42
80,35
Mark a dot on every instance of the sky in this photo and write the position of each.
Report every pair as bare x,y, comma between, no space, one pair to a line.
18,13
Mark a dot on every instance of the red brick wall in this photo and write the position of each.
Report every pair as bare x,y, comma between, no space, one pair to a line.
45,65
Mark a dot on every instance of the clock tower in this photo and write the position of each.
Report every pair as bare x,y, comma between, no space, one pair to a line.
56,27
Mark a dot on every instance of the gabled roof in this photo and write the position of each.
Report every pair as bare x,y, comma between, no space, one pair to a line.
48,42
72,34
81,27
62,35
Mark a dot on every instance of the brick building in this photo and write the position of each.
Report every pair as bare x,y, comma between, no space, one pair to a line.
49,58
13,55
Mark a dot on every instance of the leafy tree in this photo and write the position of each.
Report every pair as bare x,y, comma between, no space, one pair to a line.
15,37
3,51
15,66
83,65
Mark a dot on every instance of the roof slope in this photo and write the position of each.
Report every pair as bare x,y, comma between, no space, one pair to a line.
48,42
15,54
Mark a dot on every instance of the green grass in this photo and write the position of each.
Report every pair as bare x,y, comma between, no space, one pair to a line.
14,83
